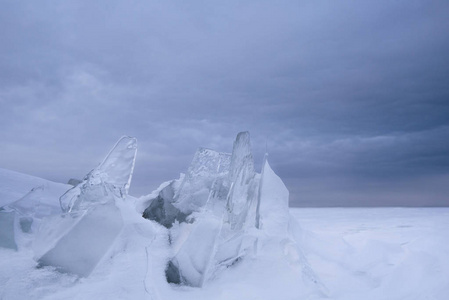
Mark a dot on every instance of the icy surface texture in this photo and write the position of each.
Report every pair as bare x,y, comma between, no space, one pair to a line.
193,260
234,241
228,193
35,203
76,242
242,191
272,209
221,212
206,167
24,201
109,180
190,193
23,216
20,214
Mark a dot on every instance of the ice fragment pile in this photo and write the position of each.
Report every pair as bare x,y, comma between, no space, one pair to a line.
220,212
76,240
217,215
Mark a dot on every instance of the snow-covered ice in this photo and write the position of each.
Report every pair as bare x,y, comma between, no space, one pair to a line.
222,231
76,240
243,186
215,211
378,253
272,207
24,201
109,180
359,253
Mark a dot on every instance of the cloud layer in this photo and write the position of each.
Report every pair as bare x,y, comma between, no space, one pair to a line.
351,99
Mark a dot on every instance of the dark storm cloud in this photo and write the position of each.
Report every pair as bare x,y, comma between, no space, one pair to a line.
350,98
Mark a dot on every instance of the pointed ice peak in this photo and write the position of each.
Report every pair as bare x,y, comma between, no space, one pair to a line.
209,162
117,168
264,163
206,168
236,200
109,180
242,158
242,185
272,207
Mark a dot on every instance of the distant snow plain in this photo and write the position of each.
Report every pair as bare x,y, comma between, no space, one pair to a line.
358,253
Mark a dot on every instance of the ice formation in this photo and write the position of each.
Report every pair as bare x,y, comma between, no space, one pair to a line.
109,180
219,213
242,186
162,209
222,202
207,167
272,205
76,240
23,216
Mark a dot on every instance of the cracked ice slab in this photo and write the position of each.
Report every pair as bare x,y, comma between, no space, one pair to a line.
192,192
207,165
217,239
118,166
77,240
243,186
110,179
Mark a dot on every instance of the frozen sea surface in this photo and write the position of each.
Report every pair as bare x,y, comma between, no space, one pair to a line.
378,253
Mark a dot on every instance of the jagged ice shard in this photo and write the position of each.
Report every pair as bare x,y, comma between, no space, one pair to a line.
234,241
228,190
204,187
222,211
216,189
77,240
110,179
207,165
241,175
189,194
272,206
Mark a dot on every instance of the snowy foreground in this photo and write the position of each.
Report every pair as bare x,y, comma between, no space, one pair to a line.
221,231
378,253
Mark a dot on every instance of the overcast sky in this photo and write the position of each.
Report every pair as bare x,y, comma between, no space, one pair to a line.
350,97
